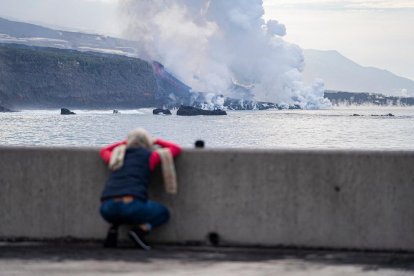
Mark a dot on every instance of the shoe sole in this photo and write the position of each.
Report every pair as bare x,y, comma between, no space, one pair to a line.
138,241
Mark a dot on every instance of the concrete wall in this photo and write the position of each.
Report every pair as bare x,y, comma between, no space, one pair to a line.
331,199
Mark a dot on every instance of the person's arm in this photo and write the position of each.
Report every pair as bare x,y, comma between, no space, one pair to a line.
106,152
155,157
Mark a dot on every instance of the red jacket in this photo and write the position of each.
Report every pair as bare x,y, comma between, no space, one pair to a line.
154,159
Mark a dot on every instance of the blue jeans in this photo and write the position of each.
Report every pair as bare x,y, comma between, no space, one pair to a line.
135,212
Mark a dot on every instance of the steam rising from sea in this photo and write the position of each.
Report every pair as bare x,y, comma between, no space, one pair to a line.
213,44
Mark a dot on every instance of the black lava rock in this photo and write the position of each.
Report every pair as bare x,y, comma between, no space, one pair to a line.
193,111
159,111
386,115
65,111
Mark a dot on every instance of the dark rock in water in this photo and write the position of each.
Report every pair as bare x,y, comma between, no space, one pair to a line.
115,111
386,115
193,111
65,111
356,115
159,111
3,109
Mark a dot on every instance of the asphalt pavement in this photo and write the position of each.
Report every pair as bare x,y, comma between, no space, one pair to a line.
91,259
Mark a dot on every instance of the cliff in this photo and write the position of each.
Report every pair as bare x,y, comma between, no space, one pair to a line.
39,77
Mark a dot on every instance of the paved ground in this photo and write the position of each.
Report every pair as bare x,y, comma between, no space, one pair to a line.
81,259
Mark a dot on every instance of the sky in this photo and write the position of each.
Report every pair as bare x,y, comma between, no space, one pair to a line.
375,33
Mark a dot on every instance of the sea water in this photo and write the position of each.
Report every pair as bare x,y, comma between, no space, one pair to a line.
335,128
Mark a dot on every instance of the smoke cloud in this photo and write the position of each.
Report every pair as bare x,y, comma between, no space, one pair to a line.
213,44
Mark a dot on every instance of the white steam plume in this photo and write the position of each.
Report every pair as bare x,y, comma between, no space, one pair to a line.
211,44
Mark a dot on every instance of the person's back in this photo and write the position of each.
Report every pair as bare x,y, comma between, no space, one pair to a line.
132,178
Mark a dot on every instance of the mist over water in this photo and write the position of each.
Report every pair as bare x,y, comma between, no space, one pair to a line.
213,44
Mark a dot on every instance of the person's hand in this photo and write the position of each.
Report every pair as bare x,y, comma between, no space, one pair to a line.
154,144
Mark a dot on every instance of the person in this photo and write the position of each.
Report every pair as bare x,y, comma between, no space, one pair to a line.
124,199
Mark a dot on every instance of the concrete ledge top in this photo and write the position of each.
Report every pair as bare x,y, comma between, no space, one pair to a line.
228,150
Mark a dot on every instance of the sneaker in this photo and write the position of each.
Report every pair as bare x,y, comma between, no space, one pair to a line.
137,236
111,240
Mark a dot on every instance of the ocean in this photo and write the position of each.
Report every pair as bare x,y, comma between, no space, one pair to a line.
335,128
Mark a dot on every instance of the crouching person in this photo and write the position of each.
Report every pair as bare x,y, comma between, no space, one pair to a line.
125,195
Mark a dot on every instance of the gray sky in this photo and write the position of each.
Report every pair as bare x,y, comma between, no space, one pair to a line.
371,32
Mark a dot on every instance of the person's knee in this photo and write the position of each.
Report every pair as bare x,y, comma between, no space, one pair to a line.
159,214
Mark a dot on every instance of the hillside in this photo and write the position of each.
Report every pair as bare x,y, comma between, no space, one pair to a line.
35,77
34,35
342,74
